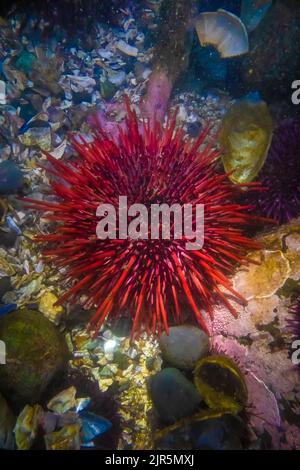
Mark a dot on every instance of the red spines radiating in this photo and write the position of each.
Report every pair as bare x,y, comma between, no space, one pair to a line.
148,277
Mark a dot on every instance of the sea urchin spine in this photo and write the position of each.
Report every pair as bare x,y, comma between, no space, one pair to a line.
150,278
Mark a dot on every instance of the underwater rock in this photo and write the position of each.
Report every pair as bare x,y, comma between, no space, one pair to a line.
27,426
224,31
173,395
36,352
7,423
245,138
262,280
221,383
184,346
274,60
11,178
67,438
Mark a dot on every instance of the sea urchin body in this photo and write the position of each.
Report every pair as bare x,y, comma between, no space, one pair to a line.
152,279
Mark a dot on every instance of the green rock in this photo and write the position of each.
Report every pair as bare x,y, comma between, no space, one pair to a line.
35,353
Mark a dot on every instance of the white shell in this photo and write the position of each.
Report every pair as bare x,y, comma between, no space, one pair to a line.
224,31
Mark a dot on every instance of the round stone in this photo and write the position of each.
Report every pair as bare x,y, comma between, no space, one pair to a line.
35,353
184,346
173,395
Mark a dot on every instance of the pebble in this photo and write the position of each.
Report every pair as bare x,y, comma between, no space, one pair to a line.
173,395
184,346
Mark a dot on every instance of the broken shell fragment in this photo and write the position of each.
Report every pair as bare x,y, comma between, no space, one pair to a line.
126,49
224,31
67,438
63,401
27,426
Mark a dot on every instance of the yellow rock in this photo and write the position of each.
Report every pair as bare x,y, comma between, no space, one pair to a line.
245,138
262,280
47,307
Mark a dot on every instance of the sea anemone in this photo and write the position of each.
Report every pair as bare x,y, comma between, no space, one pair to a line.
151,278
281,174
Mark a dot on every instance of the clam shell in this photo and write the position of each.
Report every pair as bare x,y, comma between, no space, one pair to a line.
224,31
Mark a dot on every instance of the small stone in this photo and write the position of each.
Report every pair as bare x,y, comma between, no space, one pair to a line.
184,346
11,178
173,395
48,308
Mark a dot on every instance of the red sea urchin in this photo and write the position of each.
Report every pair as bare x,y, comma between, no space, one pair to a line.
150,278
